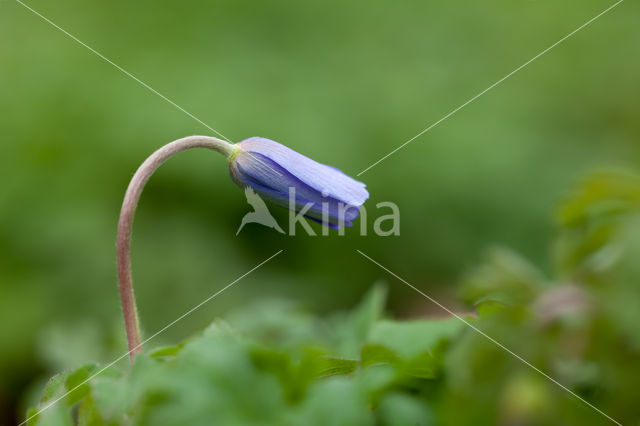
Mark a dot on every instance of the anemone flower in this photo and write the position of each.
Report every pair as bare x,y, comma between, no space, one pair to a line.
275,172
286,178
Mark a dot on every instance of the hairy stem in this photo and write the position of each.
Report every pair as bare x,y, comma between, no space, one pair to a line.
125,223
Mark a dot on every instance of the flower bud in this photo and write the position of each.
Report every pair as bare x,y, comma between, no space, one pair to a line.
273,171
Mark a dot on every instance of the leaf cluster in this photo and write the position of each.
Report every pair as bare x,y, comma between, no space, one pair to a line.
276,364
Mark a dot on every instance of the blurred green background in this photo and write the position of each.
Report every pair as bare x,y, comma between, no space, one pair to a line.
341,82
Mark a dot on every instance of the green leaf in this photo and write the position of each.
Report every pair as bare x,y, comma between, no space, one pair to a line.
600,196
333,366
88,415
423,366
592,220
32,415
112,398
351,331
377,354
76,383
332,402
54,387
368,311
397,409
295,375
412,338
165,351
52,409
504,277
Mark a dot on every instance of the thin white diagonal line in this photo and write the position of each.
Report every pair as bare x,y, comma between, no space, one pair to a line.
127,73
494,341
491,87
49,405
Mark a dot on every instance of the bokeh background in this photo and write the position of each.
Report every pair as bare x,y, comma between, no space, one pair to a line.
341,82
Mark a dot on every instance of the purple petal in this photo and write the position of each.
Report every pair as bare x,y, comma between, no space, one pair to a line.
324,179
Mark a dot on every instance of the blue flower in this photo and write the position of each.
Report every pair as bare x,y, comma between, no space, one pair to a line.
291,180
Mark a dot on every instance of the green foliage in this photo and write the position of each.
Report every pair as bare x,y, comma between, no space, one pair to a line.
276,364
243,375
580,326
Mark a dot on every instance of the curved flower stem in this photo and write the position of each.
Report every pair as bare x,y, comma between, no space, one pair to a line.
125,223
